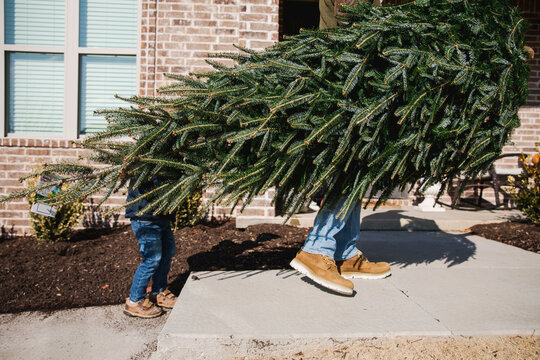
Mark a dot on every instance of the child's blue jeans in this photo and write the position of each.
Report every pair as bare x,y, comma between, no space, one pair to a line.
333,237
157,247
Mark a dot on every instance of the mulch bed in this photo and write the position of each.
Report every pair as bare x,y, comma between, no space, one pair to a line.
96,267
525,235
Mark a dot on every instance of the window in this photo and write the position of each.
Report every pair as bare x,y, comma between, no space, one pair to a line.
36,93
102,77
62,60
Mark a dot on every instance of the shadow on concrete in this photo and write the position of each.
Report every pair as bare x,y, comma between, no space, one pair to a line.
246,258
397,220
404,248
400,248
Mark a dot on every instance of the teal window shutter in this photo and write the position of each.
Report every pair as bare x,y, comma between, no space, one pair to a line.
35,89
101,78
34,22
108,23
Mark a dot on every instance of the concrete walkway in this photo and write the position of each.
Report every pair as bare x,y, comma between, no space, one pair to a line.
408,218
90,333
442,285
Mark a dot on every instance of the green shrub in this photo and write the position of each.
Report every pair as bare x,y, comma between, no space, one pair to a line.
188,211
525,190
58,228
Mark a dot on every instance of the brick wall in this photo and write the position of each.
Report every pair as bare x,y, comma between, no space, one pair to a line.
183,33
177,36
18,158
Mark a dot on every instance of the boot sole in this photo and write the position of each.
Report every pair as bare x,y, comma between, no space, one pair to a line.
297,265
165,306
142,316
366,276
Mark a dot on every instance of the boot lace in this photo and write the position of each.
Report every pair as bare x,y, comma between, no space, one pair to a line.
331,263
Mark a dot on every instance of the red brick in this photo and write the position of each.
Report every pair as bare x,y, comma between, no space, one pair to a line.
261,44
253,211
38,152
254,35
263,9
9,214
253,17
205,39
199,15
263,26
196,46
11,151
11,182
224,16
16,223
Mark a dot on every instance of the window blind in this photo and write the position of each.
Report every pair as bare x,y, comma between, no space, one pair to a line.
34,22
106,23
101,78
35,89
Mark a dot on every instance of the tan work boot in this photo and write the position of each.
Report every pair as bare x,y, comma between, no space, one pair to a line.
359,267
166,299
144,309
322,269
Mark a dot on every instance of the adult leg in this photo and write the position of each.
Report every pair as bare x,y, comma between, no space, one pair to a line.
351,263
347,237
328,228
316,259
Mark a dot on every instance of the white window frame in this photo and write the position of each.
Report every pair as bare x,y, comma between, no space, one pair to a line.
72,53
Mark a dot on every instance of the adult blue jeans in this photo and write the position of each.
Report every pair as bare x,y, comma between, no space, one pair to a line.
332,236
157,247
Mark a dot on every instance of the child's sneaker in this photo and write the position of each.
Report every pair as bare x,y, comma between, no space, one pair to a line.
166,299
144,309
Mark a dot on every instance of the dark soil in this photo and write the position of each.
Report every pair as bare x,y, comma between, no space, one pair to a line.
96,267
525,235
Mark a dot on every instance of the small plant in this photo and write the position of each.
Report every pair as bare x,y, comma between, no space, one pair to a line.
188,211
525,190
59,227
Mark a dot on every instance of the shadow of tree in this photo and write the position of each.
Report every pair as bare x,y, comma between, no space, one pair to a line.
239,256
405,249
414,248
424,248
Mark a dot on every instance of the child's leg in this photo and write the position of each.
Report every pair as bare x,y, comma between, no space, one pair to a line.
149,235
168,248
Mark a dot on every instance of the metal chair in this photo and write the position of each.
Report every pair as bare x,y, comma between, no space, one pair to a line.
492,179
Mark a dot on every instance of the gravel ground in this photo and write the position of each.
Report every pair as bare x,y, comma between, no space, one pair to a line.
466,348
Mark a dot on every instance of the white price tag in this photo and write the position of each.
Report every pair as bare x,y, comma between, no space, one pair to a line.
40,207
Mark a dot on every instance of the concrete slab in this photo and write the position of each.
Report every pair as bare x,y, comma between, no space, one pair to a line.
442,285
227,313
399,219
88,333
476,302
443,250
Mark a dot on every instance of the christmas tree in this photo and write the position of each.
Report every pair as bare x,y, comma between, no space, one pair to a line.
427,90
